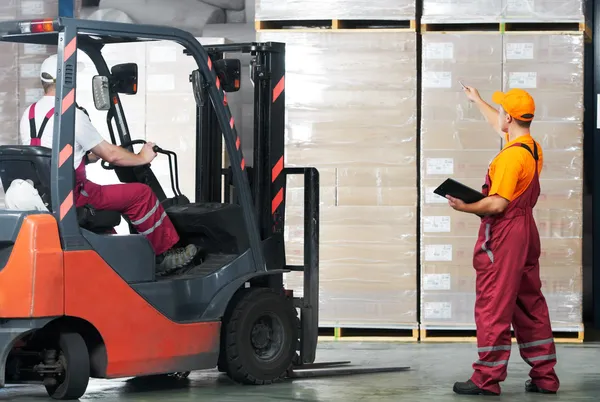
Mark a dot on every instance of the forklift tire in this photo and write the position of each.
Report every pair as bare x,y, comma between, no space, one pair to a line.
261,337
74,355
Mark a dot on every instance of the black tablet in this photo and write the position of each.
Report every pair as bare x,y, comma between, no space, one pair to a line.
458,190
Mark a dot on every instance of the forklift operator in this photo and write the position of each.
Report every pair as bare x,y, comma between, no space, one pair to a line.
506,254
135,200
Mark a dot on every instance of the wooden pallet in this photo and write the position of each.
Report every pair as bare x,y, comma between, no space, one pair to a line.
467,336
338,25
505,27
368,335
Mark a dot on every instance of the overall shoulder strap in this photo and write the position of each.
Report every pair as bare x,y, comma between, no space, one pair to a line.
32,128
36,137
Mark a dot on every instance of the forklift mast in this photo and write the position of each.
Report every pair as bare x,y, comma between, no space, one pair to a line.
266,175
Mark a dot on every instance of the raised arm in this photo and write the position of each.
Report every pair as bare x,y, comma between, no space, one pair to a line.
488,111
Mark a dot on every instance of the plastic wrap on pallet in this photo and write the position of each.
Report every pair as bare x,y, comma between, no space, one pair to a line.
473,11
550,66
457,143
267,10
364,146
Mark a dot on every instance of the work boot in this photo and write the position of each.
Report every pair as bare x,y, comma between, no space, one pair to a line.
175,258
531,387
469,388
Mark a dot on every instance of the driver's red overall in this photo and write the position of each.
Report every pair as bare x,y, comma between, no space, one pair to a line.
136,201
508,291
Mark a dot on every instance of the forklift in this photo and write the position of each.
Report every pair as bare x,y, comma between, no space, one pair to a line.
77,302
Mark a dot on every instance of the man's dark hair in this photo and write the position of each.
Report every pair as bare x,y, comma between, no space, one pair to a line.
523,123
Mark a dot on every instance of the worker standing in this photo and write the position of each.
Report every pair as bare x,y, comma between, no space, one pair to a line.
506,254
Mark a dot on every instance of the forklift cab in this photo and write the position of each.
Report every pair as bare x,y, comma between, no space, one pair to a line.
79,303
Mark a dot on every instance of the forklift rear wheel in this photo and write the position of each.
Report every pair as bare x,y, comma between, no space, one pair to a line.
261,335
73,356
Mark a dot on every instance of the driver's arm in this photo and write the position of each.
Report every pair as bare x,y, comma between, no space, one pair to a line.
118,156
91,140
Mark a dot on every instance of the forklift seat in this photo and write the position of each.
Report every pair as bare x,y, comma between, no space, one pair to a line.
27,162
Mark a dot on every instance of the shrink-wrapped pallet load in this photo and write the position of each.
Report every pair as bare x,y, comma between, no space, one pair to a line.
550,67
267,10
477,11
351,112
456,142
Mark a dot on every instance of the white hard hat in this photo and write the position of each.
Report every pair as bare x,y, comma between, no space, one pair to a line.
49,69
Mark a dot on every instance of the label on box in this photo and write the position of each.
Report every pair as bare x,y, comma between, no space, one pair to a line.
519,51
437,79
33,49
439,51
443,166
438,310
33,95
29,70
161,82
163,54
432,198
522,80
436,224
438,252
520,6
436,282
32,7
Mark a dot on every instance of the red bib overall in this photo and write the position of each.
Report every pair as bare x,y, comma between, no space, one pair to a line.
136,201
508,291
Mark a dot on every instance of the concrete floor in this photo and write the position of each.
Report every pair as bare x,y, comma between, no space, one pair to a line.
434,368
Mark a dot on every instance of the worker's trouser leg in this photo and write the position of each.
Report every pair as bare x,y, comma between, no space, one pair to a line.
499,260
139,204
531,322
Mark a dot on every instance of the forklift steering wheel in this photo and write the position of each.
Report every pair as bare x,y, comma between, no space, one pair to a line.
108,166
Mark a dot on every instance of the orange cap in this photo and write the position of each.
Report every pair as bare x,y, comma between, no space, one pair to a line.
517,103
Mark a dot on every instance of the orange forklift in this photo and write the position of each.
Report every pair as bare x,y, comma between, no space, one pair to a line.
78,303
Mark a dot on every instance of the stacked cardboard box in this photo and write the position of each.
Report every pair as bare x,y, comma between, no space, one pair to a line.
453,11
455,142
334,9
350,112
550,67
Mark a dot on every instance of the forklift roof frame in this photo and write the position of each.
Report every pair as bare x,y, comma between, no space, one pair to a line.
69,34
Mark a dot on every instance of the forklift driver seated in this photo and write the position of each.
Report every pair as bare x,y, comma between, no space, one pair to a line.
135,200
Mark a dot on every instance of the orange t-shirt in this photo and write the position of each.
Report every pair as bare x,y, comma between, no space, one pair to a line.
513,169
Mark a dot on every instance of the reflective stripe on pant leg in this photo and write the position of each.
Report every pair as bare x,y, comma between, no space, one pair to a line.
536,343
538,351
484,245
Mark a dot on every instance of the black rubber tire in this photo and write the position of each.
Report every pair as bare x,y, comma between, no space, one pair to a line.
240,360
77,371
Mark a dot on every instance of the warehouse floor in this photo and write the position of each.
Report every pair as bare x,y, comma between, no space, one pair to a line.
434,369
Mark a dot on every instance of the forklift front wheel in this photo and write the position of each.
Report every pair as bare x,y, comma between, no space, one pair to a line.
261,335
72,381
